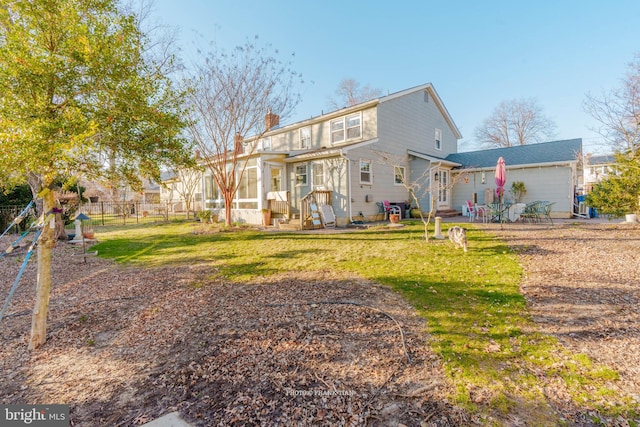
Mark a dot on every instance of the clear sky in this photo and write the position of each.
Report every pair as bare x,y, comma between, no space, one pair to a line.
476,53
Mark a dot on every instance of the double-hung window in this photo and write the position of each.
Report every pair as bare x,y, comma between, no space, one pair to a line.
345,128
337,130
301,175
305,137
265,143
438,138
398,175
365,172
354,128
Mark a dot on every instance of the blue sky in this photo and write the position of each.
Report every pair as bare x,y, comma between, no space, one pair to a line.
475,53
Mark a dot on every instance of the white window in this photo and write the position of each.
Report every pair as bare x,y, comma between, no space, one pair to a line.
365,172
354,128
398,175
213,197
345,128
248,188
265,143
438,139
305,137
337,130
301,175
317,175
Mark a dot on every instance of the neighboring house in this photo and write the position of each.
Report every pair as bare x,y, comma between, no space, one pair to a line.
350,158
551,171
150,193
174,190
356,157
597,168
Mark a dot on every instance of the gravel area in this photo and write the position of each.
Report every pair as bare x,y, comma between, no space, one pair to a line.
128,345
582,284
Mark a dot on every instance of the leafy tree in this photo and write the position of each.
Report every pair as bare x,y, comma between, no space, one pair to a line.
189,179
618,113
515,122
350,92
79,93
619,193
233,97
19,195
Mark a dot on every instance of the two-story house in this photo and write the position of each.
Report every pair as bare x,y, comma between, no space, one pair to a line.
354,158
351,159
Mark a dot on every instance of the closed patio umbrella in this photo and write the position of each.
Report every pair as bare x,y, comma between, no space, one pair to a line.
501,178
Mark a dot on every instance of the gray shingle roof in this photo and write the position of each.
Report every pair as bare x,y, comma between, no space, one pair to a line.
544,152
601,159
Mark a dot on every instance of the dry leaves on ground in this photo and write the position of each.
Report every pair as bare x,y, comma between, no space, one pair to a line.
127,345
582,284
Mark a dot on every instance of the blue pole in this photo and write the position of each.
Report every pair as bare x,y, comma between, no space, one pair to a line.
18,219
14,244
22,268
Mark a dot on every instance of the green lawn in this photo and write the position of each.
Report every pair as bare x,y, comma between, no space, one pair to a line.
476,315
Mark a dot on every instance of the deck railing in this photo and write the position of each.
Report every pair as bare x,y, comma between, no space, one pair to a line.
319,197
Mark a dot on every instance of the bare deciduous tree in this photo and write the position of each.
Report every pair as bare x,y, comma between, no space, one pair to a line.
618,111
515,122
231,96
190,179
350,93
425,185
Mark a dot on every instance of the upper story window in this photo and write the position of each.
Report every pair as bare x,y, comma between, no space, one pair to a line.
337,130
265,143
438,139
398,175
344,128
301,175
354,128
305,137
365,172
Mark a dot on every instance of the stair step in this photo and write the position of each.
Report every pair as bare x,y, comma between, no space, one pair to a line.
447,213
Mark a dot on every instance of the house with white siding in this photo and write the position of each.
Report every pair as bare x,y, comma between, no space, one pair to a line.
351,159
354,158
551,171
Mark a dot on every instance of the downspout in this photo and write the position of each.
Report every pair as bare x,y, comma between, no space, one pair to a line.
346,159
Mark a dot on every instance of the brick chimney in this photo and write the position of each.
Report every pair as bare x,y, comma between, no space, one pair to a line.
271,120
237,143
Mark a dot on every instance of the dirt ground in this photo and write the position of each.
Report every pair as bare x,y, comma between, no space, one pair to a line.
128,345
582,284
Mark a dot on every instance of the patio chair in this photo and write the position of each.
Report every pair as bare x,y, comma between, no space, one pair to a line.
494,212
530,212
475,211
544,210
328,216
387,208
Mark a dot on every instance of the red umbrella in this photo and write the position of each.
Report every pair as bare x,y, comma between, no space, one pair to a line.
501,178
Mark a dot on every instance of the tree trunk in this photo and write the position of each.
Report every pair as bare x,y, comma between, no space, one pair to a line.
228,204
60,233
43,286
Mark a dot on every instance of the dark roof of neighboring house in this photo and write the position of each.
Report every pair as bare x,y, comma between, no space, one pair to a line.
600,159
544,152
167,175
